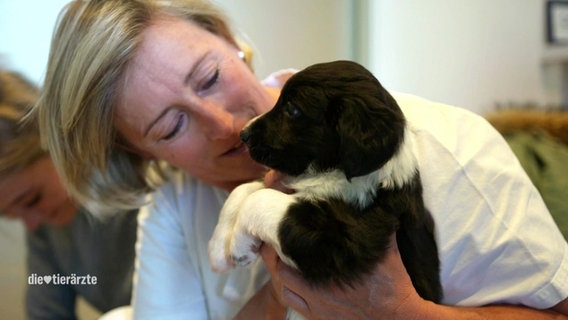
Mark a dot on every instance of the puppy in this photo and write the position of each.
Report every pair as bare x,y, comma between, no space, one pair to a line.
347,151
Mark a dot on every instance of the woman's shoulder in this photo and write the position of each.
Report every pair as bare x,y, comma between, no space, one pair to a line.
427,113
455,131
181,196
180,186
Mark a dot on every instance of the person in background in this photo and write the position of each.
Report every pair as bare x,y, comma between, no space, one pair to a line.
131,84
63,240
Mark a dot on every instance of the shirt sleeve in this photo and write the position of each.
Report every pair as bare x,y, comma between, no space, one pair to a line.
166,282
496,239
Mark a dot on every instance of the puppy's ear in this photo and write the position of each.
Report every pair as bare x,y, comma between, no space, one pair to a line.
370,132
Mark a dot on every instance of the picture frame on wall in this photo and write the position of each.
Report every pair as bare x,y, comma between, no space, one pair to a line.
557,22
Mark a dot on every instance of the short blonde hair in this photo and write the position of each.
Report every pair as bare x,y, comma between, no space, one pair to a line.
92,46
19,142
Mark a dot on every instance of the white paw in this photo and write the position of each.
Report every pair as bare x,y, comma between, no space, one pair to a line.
244,249
218,257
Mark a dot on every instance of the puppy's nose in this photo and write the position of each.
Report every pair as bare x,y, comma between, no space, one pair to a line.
245,135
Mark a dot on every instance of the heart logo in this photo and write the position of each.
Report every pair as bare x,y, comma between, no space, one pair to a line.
47,279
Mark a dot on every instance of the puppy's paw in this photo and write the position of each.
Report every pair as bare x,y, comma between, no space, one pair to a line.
219,245
244,249
218,257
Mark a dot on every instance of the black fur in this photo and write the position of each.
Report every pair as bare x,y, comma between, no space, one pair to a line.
338,116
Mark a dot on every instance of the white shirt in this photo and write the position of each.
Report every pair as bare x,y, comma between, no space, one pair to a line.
174,279
497,242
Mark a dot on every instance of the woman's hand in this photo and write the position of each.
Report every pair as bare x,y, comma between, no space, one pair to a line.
387,293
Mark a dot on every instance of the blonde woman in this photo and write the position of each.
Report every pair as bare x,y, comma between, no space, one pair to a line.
63,241
132,84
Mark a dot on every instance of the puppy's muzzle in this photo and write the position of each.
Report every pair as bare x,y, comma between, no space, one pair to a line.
245,135
246,131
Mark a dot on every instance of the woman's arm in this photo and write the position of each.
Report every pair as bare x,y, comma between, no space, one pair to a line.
386,294
165,282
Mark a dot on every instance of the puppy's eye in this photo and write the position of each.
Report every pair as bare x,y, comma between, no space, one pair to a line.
292,111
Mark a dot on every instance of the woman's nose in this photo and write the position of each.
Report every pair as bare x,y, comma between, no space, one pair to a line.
218,123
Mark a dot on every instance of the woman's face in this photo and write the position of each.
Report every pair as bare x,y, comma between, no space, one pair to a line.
186,97
35,195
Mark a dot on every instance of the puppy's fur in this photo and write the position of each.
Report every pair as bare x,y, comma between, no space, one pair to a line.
348,153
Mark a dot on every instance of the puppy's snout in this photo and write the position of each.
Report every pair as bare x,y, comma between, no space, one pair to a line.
245,135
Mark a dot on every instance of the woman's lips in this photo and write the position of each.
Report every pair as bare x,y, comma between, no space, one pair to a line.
239,148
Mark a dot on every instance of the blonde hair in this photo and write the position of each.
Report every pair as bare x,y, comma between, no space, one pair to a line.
92,46
19,142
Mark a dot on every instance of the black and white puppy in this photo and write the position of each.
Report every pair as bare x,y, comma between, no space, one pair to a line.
348,154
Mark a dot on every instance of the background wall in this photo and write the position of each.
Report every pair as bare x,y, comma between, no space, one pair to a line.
25,33
473,54
294,33
291,33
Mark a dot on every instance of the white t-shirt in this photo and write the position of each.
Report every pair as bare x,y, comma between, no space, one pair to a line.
497,242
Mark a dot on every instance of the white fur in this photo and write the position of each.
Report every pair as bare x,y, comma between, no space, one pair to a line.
220,241
360,190
250,213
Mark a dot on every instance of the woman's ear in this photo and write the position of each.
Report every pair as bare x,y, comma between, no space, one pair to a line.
245,53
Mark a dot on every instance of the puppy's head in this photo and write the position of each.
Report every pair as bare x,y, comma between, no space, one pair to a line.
332,115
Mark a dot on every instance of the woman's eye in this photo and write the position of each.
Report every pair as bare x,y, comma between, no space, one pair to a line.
33,201
28,199
177,127
211,81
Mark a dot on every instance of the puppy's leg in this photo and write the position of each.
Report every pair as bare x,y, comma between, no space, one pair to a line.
262,213
219,244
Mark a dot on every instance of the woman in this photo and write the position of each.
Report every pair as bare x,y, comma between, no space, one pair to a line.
62,240
132,84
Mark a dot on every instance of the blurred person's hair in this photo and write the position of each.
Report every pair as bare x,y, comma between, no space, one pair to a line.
20,143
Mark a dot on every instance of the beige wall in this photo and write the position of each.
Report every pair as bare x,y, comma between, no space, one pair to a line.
473,54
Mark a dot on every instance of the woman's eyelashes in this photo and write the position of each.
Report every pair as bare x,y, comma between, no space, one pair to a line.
34,200
28,199
210,81
178,123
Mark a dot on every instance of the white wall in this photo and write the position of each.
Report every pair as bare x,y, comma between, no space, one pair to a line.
471,53
25,34
294,33
291,33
